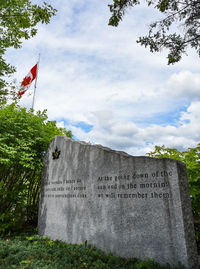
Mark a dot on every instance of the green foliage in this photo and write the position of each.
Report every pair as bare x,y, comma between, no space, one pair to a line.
41,252
18,21
184,14
24,138
191,158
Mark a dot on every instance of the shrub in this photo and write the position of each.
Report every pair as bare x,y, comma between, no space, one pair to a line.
36,252
24,138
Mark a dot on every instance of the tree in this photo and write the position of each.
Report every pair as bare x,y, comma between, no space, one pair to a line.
191,158
24,138
18,20
185,14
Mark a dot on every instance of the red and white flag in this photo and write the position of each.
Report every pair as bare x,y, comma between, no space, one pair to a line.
26,83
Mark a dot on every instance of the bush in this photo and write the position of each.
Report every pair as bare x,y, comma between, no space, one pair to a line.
34,252
24,138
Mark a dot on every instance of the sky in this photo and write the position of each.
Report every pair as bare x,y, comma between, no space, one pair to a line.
96,81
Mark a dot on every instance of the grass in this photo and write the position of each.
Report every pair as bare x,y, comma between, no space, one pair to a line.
36,252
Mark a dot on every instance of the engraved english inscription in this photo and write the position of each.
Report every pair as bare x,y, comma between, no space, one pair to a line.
135,185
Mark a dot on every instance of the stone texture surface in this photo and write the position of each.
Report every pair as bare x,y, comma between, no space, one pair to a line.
131,206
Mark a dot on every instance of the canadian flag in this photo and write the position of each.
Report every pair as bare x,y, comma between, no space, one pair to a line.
26,83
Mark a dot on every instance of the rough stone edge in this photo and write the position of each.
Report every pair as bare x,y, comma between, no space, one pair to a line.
99,146
91,145
187,216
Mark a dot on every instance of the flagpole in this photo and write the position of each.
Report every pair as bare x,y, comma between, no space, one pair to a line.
35,81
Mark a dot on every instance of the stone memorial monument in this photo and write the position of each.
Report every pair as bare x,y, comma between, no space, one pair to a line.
130,206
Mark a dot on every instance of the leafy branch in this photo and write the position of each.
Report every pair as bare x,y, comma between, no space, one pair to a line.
184,16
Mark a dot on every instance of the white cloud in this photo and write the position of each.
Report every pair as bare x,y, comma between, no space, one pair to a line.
60,124
185,84
135,140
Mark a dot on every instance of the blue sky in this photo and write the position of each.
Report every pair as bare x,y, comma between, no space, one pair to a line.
98,82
